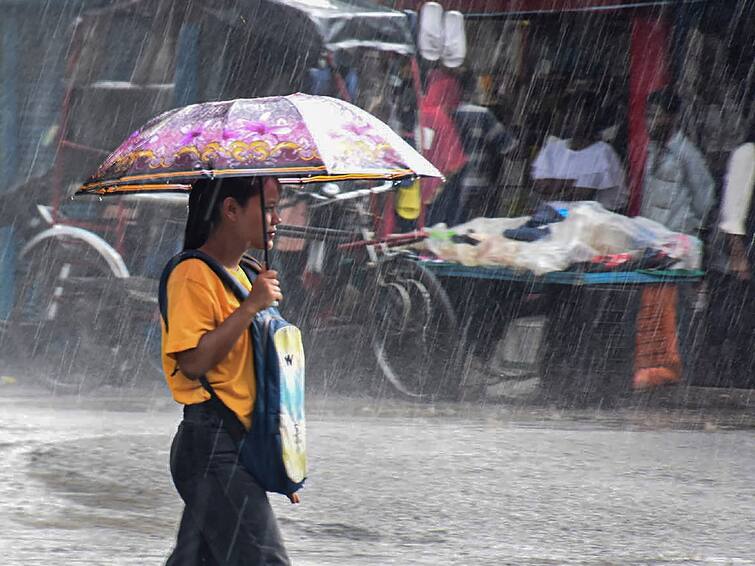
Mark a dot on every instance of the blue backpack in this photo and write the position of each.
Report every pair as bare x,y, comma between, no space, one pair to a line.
274,449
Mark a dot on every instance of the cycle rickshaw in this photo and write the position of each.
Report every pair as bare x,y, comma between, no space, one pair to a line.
85,310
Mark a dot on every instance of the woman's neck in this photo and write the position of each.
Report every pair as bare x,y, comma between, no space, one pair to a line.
227,252
580,143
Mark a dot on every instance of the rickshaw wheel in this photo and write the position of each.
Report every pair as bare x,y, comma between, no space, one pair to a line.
414,334
65,318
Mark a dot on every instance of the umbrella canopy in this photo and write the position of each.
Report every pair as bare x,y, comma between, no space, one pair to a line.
299,138
333,24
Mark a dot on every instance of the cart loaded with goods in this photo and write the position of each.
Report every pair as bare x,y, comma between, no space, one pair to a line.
584,303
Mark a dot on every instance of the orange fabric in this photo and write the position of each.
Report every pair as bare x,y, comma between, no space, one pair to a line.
657,359
198,303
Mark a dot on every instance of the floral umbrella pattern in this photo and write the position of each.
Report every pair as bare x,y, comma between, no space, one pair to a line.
308,138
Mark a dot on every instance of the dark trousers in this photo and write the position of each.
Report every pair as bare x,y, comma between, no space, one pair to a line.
227,519
728,358
445,208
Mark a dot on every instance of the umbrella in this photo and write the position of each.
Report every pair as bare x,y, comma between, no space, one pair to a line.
296,138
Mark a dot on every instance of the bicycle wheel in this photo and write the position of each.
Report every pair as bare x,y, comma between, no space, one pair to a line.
64,320
414,334
138,349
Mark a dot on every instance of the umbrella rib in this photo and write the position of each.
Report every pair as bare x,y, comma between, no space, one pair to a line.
132,183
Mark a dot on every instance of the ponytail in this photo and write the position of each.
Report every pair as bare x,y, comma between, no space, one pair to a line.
205,202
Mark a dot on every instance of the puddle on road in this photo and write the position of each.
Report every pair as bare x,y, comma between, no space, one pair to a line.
103,487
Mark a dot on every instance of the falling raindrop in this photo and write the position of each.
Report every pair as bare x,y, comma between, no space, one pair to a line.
461,411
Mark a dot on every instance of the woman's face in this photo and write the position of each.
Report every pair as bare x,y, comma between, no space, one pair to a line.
248,221
580,122
659,123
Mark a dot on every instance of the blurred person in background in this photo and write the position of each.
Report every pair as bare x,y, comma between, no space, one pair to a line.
731,312
678,192
678,188
485,141
442,146
581,166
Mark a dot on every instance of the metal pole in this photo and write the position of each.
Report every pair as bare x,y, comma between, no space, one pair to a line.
264,224
10,47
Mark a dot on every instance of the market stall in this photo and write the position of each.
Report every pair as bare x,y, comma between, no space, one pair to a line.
575,333
526,55
577,297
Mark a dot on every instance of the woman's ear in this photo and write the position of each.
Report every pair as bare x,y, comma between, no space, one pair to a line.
230,208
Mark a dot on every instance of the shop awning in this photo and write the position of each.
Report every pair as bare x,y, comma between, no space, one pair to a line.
488,8
336,24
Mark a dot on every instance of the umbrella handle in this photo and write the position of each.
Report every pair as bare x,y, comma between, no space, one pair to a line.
264,226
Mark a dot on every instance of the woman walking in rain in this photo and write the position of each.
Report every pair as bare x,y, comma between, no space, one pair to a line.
227,518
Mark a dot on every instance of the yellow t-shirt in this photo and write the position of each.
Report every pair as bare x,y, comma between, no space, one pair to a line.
198,302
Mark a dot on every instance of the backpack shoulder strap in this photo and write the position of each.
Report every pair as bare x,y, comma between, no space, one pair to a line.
162,290
230,421
251,267
228,280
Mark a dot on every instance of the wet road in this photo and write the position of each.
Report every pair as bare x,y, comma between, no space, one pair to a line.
86,481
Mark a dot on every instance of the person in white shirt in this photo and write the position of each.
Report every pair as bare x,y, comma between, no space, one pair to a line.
581,167
729,358
677,187
736,220
677,191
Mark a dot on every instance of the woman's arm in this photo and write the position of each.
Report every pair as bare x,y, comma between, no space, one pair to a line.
552,188
735,207
700,181
215,345
737,197
616,176
738,261
581,193
563,189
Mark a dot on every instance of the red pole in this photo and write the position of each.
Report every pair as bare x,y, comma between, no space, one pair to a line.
648,72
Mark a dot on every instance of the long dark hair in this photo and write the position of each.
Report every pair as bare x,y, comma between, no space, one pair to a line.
665,98
205,202
586,108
